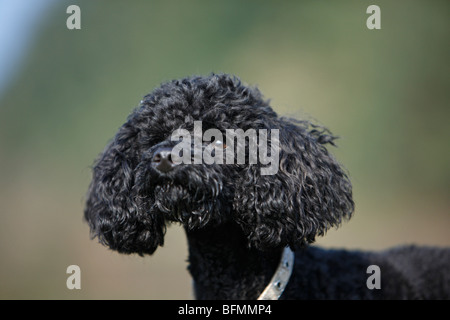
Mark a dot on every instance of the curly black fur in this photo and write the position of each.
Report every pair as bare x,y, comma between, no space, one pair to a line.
236,219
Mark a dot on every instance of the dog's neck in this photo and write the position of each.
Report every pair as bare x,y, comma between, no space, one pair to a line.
223,267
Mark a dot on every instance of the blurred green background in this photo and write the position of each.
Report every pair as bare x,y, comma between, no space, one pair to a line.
384,92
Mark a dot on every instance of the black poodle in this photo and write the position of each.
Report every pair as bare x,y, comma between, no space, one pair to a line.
242,219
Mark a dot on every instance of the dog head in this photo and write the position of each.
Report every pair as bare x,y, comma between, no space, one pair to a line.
137,187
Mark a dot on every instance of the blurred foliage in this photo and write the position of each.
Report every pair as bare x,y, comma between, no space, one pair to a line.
384,92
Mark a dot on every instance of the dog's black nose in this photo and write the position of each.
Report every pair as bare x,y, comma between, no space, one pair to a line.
162,160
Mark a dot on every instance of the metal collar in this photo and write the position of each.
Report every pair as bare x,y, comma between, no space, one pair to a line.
280,279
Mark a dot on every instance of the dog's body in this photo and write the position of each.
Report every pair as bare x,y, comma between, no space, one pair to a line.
237,219
223,268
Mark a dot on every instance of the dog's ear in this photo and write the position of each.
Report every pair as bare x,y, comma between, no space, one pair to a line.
118,214
308,194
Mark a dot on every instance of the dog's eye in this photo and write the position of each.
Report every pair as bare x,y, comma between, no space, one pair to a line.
219,144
